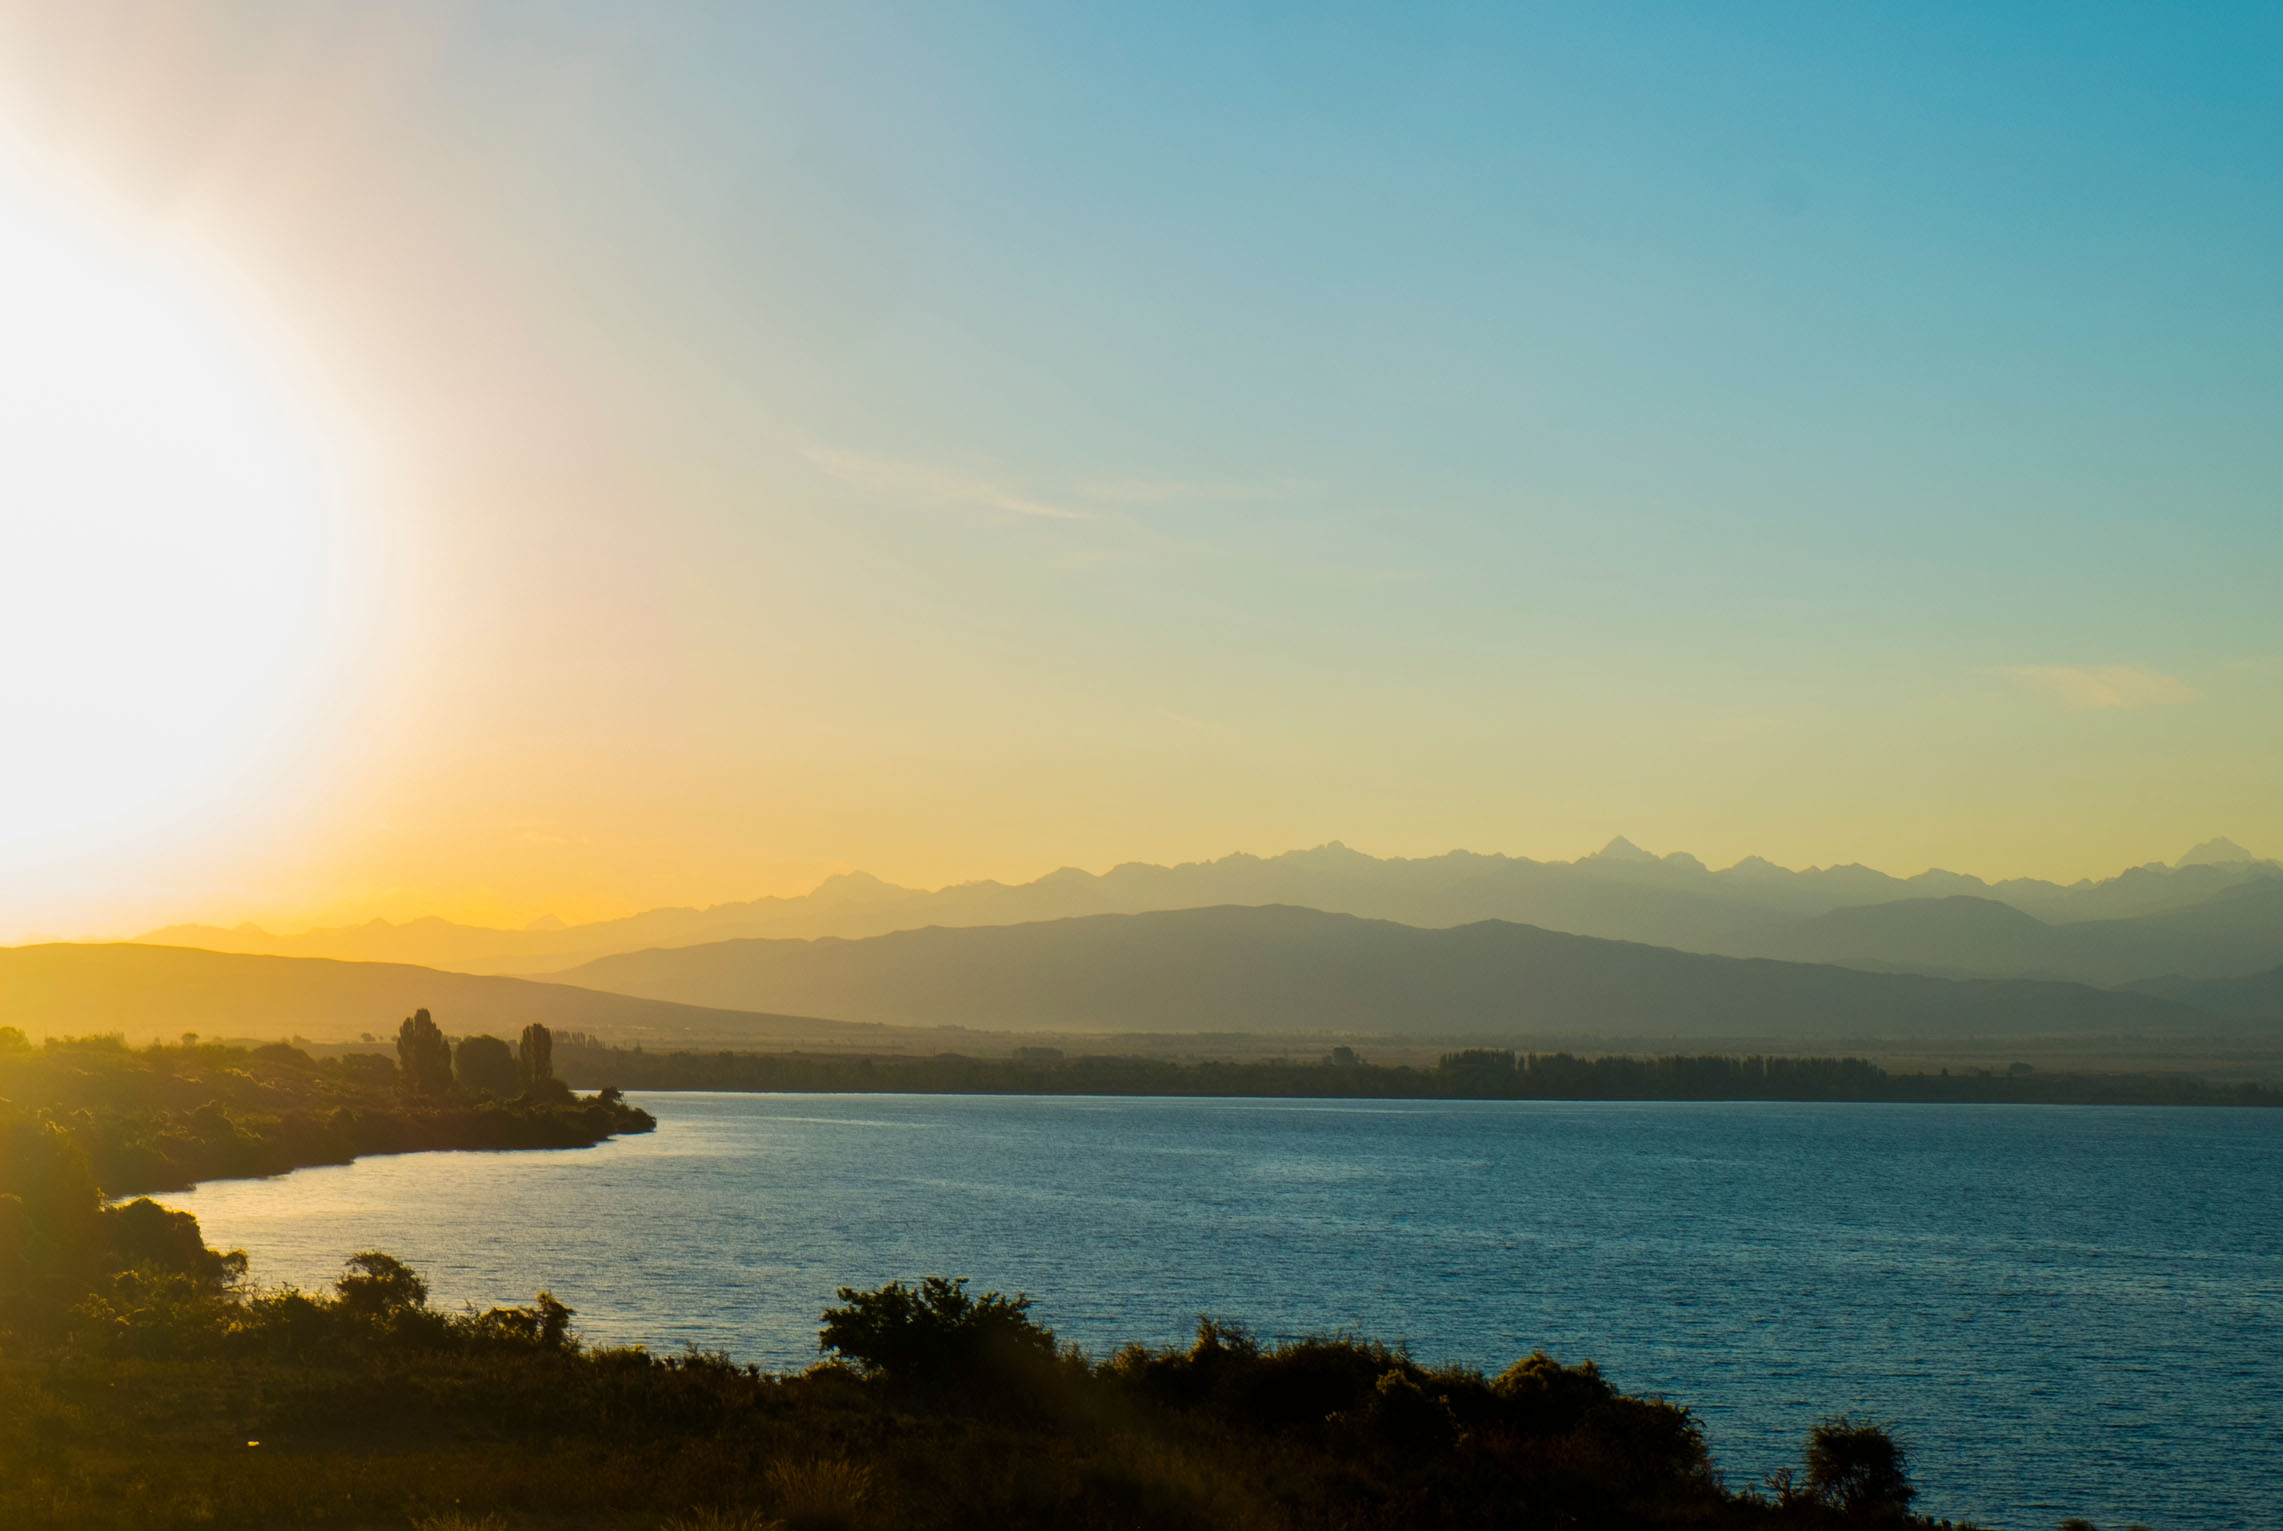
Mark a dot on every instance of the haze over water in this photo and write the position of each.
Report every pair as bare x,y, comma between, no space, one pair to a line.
2063,1311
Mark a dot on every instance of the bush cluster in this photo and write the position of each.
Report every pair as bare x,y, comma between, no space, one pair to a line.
938,1408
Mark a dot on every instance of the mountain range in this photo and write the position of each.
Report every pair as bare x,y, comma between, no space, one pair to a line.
1273,969
2237,930
1753,908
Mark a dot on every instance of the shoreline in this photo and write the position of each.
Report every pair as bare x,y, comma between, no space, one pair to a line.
167,1118
1474,1074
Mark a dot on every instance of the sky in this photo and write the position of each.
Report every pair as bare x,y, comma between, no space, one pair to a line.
601,456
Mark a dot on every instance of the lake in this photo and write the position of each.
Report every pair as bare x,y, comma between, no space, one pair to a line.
2061,1310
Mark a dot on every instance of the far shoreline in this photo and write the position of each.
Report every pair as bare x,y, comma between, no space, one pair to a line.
1471,1074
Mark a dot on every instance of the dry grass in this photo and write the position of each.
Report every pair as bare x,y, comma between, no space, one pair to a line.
827,1494
723,1520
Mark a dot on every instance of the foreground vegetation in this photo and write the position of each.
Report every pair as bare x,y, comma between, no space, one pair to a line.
166,1396
164,1117
143,1383
1476,1074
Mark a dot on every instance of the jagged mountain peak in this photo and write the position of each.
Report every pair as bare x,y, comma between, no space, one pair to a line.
1330,853
1621,892
852,887
2216,852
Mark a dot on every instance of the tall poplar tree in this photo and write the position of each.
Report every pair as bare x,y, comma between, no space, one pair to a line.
423,1057
535,1054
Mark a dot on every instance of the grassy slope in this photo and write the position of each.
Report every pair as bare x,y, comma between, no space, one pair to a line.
162,991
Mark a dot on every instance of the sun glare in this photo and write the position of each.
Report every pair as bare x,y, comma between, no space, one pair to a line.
169,533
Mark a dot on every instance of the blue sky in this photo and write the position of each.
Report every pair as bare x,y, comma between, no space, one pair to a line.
1954,331
957,440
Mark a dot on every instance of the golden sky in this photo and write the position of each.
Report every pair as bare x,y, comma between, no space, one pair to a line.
502,460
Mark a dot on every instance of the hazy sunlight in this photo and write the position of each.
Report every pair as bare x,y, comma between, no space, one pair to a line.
166,530
1140,767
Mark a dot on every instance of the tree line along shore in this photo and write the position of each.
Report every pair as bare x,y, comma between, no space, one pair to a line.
164,1117
1470,1074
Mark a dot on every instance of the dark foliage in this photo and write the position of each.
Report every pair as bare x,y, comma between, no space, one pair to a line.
486,1066
51,1219
165,1117
535,1059
423,1057
380,1287
1858,1468
169,1398
930,1336
1478,1073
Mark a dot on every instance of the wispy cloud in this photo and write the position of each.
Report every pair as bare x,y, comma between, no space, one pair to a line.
931,484
1142,491
2087,686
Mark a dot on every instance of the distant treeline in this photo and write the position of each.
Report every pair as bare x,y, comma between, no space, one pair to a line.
1474,1074
167,1116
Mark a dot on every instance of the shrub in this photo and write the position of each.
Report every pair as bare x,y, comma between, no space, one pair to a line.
379,1286
153,1314
933,1334
1858,1467
546,1322
144,1235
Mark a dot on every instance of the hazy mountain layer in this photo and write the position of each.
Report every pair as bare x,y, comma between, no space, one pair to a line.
1621,893
2257,998
1284,969
146,991
2237,931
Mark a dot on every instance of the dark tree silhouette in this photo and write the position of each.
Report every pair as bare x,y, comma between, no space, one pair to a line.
535,1056
423,1057
932,1334
378,1285
1858,1467
486,1066
51,1229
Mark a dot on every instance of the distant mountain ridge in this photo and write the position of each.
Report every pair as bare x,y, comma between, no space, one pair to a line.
2257,997
2236,931
1620,893
1280,969
66,988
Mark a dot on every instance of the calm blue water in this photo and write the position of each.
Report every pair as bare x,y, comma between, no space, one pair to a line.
2063,1311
